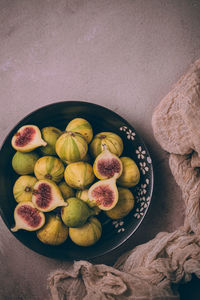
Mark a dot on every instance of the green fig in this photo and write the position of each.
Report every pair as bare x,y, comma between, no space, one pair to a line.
76,213
23,163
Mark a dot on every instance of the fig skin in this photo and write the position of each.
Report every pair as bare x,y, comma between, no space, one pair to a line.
79,175
54,232
23,163
76,213
50,135
81,126
66,190
104,193
113,142
47,190
20,221
71,147
49,167
124,205
107,165
83,195
88,234
34,139
130,175
23,188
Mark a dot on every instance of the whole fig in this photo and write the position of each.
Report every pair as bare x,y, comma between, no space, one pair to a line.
23,163
50,135
54,232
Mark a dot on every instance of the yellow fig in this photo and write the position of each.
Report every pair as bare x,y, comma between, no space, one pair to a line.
54,232
124,205
23,188
88,234
79,175
130,175
82,126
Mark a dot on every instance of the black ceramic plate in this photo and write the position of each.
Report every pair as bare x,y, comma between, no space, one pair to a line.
102,119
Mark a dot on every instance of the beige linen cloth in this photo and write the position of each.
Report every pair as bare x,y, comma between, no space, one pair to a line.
152,270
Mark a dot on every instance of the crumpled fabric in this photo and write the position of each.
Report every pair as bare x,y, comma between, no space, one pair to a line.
154,269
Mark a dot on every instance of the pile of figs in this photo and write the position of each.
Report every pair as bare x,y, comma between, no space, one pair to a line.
67,179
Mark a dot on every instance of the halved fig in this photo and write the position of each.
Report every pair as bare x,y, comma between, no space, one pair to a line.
27,217
27,138
107,165
23,188
104,193
47,196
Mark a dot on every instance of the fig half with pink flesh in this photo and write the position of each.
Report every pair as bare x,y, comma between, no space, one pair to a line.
104,193
27,217
47,195
27,138
107,165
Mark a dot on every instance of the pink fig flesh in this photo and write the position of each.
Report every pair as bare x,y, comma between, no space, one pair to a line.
30,215
108,167
43,195
104,195
25,136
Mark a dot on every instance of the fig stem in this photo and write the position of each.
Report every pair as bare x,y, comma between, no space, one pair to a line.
14,229
43,143
27,189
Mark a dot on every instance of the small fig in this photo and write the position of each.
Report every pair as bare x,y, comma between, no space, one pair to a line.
50,135
27,217
47,196
88,234
71,147
27,138
23,188
124,205
23,163
113,142
54,232
107,165
49,167
130,175
83,195
76,213
66,190
82,126
79,175
104,193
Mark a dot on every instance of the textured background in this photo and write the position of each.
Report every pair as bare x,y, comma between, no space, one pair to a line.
122,54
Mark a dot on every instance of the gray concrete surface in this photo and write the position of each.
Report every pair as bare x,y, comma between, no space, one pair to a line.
122,54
